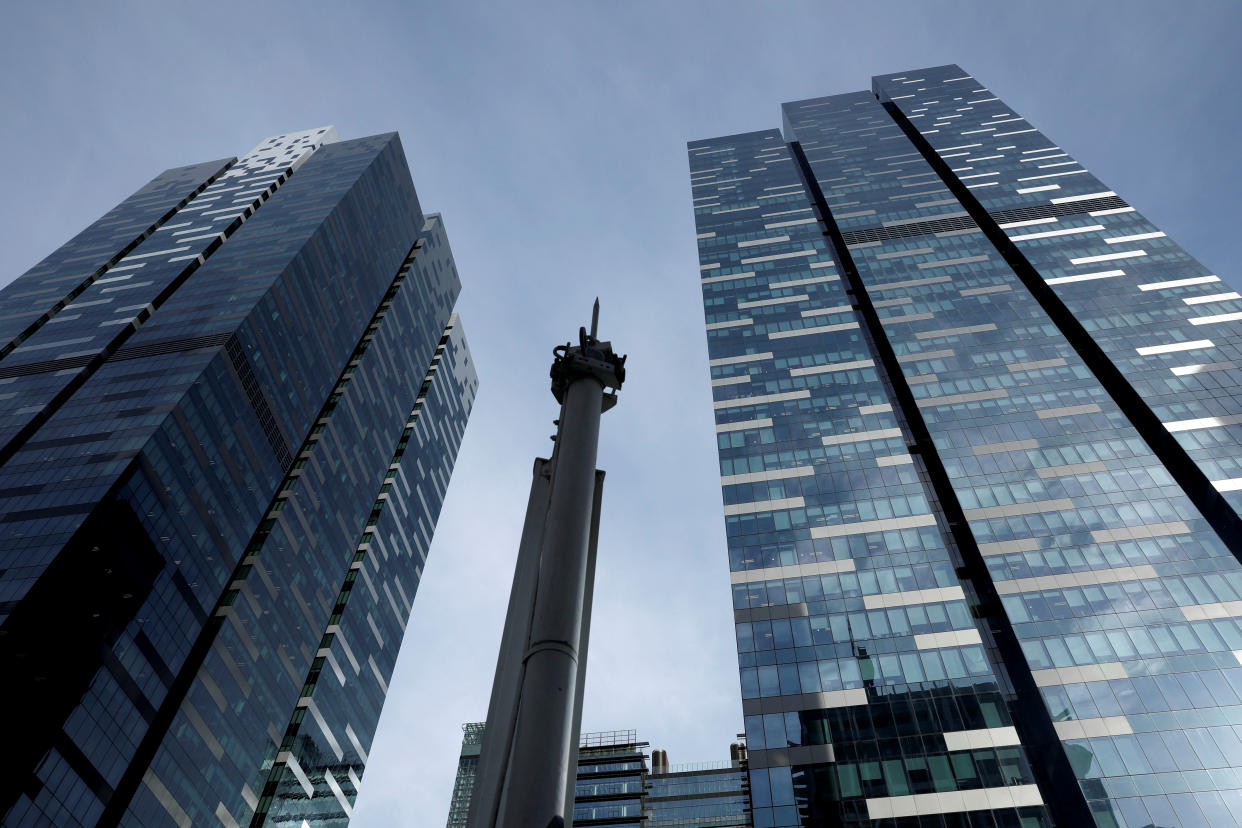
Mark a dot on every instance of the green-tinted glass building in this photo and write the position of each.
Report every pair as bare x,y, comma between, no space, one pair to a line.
229,410
979,426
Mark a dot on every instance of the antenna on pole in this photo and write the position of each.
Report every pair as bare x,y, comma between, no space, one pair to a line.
595,320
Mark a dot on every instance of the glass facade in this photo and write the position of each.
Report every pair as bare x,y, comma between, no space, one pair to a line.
708,795
616,786
974,416
212,395
467,768
612,769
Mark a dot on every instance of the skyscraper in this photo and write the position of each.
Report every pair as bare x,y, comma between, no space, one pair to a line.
467,768
978,424
229,410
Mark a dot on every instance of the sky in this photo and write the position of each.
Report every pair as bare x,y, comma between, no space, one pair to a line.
551,137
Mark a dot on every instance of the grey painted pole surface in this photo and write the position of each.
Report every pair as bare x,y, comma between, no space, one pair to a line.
538,773
506,686
588,598
529,751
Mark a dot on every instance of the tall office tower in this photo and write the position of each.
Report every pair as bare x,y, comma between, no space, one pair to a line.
229,410
978,424
467,769
615,787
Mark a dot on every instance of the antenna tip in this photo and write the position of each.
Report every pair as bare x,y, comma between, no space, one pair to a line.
595,318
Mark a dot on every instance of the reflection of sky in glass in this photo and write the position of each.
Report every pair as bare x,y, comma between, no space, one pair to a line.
582,170
1027,477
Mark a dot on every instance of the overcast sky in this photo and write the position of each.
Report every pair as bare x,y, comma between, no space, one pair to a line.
551,136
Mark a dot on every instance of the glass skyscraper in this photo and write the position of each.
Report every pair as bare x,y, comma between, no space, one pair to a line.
467,770
978,425
229,410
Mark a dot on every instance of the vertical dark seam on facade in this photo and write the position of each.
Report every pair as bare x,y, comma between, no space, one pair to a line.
1049,762
116,807
259,405
1185,472
109,349
77,291
276,774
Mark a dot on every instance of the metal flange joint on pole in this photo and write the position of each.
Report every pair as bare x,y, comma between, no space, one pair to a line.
529,756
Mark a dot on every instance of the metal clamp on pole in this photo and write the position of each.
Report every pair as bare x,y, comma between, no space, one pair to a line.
592,359
530,746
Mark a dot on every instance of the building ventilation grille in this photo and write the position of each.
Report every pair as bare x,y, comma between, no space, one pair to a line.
258,402
169,346
45,366
163,346
948,225
1054,210
901,231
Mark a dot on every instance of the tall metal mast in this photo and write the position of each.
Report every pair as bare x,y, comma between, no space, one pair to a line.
530,747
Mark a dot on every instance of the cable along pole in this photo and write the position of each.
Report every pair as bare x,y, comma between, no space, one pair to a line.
529,755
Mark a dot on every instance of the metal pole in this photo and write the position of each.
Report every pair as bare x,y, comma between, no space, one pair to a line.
583,642
538,764
506,686
535,714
